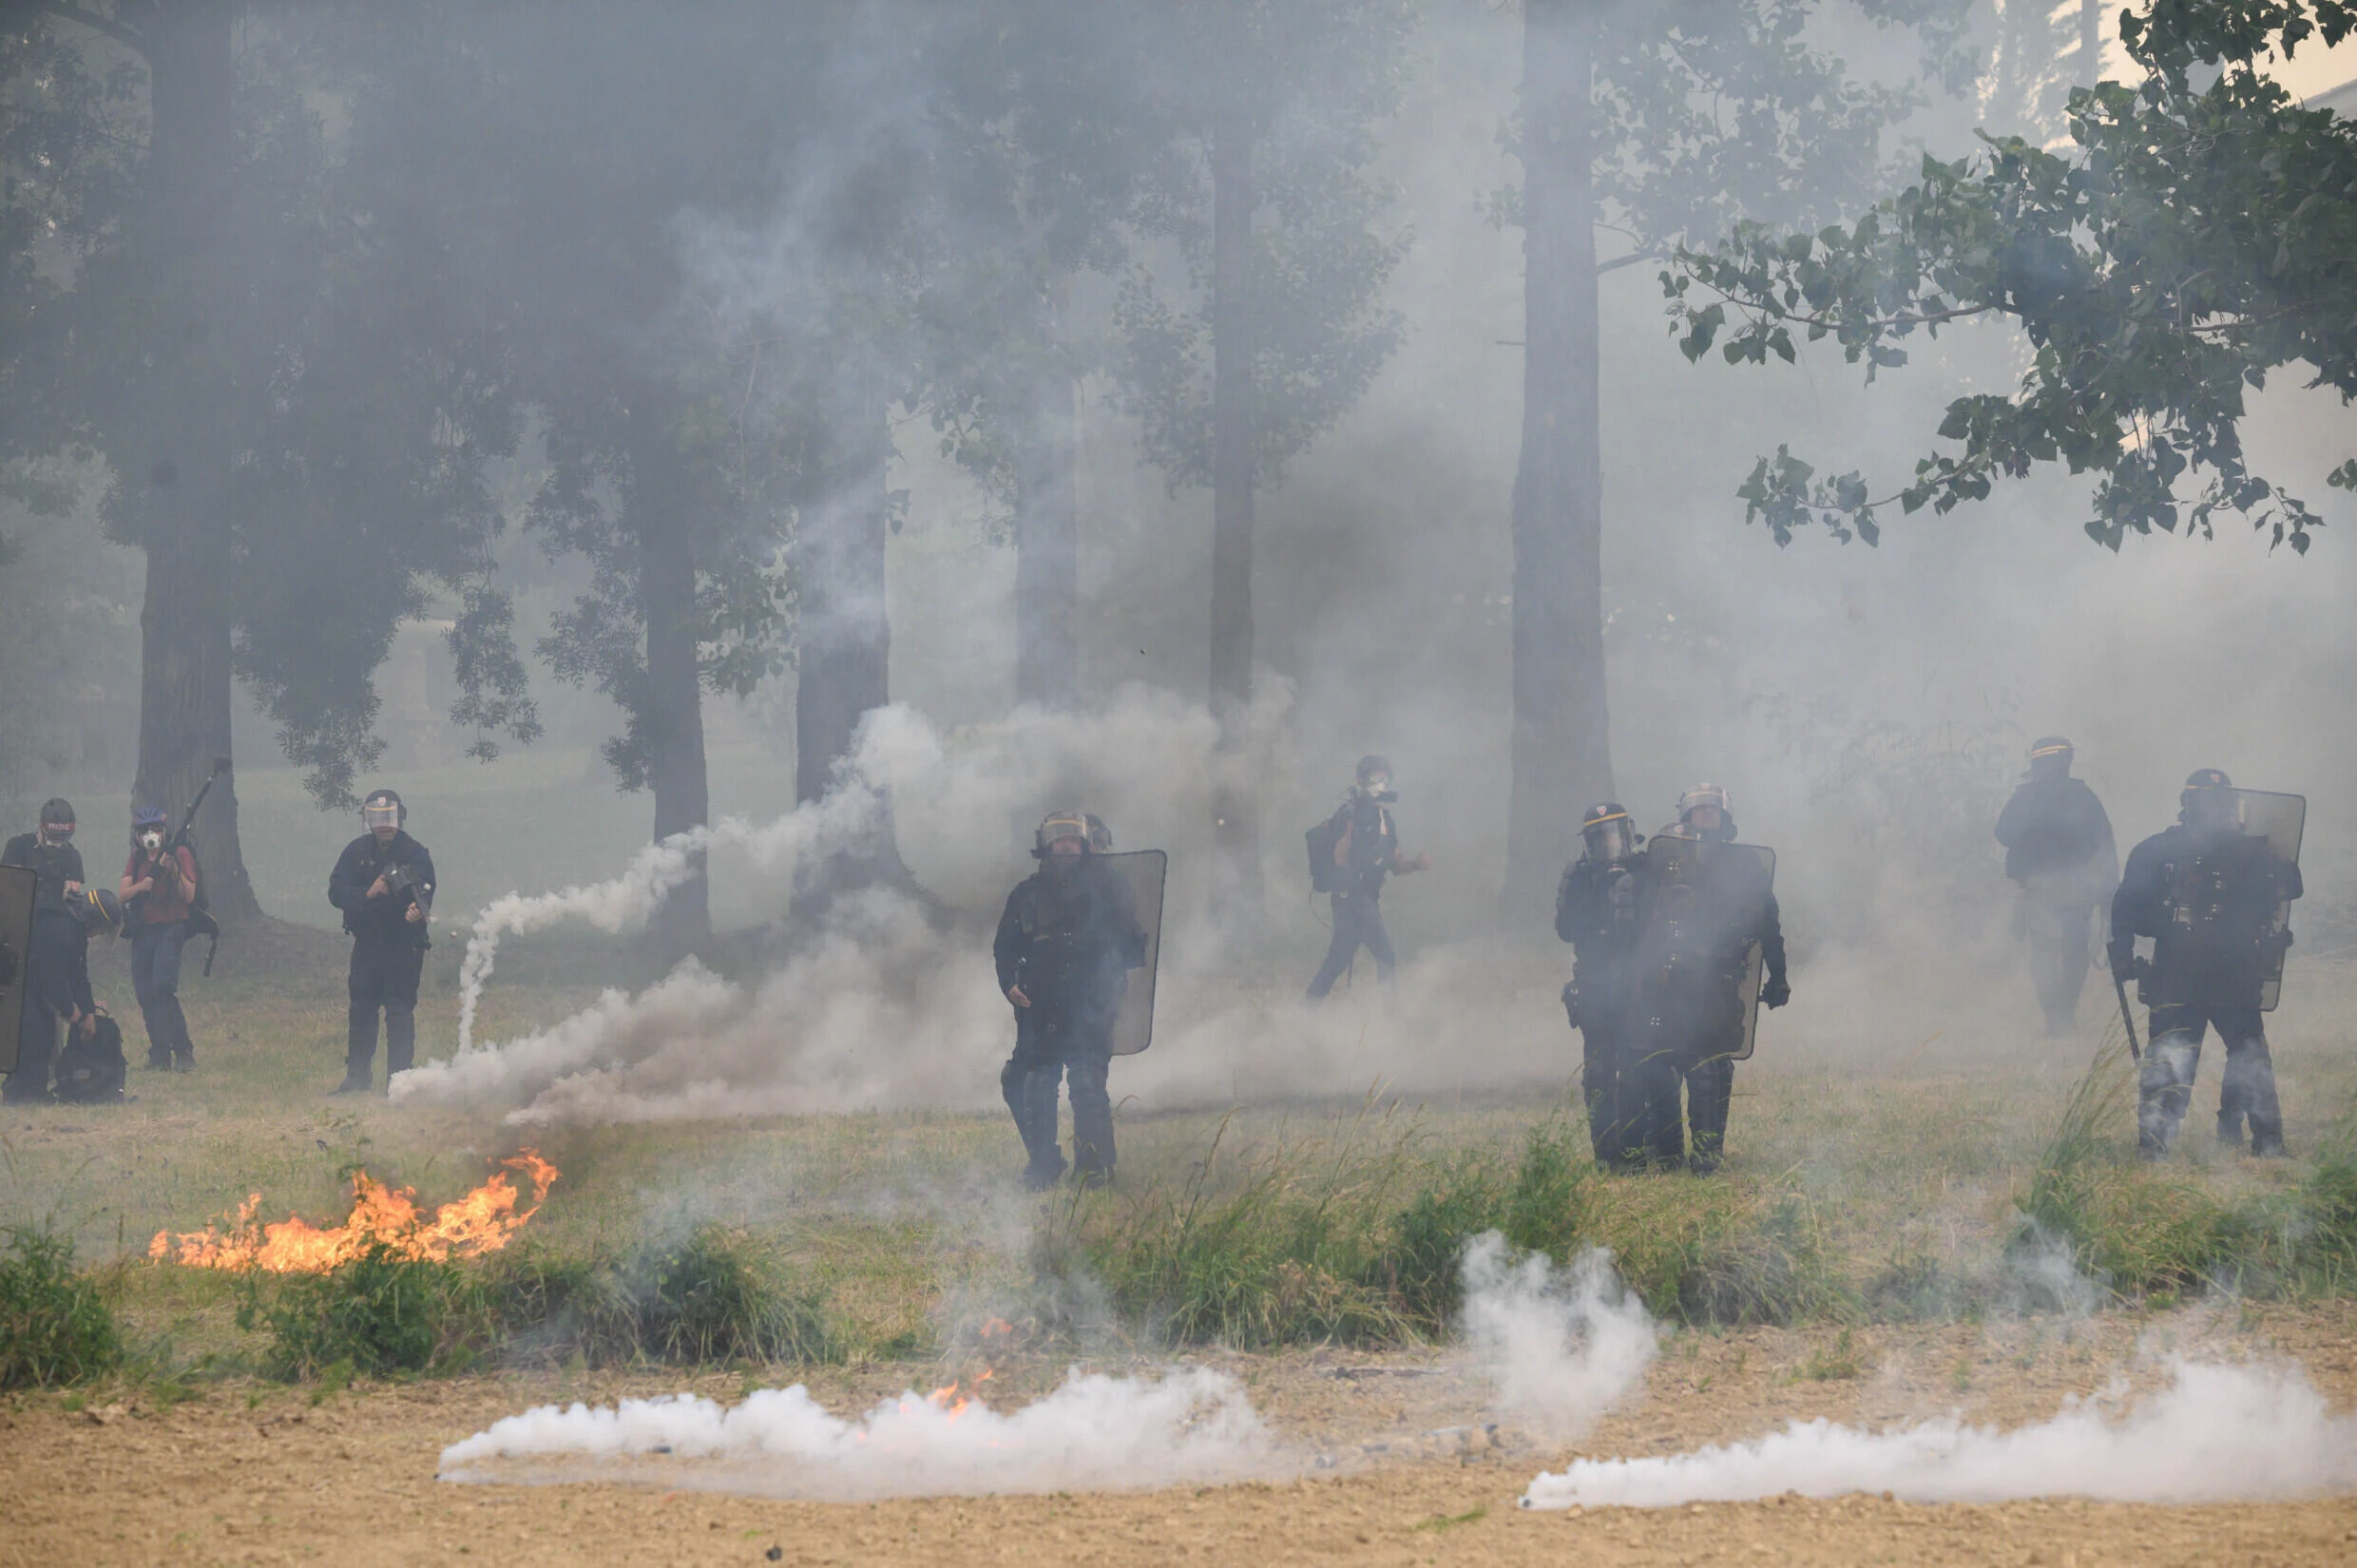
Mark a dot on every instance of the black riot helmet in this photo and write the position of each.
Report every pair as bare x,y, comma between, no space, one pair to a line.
1607,832
57,819
98,910
2208,800
2050,756
383,809
1088,828
1374,776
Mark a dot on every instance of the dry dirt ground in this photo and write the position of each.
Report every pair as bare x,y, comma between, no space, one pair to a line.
260,1474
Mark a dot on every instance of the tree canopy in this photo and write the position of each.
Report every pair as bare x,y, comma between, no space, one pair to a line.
2198,235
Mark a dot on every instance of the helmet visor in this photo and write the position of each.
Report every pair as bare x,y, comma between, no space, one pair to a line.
380,813
1609,840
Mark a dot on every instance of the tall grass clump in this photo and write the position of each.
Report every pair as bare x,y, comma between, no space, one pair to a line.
716,1297
1361,1240
55,1326
379,1314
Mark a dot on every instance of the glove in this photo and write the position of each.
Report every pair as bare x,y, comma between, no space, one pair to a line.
2127,967
1776,992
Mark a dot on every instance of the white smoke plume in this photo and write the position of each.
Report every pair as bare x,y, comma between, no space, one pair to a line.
2214,1434
813,1033
1562,1345
1094,1432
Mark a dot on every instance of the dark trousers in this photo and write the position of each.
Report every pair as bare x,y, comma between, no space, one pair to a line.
1633,1092
383,974
2058,934
154,980
36,1049
1044,1062
2165,1087
1358,922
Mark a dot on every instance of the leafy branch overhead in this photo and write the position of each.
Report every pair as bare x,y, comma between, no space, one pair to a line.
2193,239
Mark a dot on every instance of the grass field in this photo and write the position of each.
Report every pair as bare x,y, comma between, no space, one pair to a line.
1899,1190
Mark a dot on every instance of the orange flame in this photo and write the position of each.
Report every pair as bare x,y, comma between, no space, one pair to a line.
483,1221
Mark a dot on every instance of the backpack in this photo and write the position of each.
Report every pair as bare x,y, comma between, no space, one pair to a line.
91,1072
1324,876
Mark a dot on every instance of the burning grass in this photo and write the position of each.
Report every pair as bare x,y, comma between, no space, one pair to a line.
384,1220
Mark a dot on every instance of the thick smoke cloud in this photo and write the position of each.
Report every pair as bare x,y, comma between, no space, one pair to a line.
2214,1434
1094,1433
1562,1345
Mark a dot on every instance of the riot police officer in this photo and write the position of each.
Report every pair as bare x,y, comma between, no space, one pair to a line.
2059,851
55,948
1595,912
1707,1064
1366,849
383,882
1066,942
2215,897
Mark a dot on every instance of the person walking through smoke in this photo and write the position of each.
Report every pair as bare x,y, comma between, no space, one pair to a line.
57,880
157,886
2214,893
1595,912
2059,851
1739,924
384,884
1351,852
1066,943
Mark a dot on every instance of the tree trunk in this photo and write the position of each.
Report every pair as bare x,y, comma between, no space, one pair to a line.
1047,562
1236,889
175,444
1562,752
674,721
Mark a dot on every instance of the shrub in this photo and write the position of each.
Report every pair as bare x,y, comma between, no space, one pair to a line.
55,1327
719,1295
379,1313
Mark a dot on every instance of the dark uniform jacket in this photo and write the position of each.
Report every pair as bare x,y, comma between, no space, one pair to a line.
54,865
2056,833
59,964
1695,941
2209,902
384,921
1368,851
1070,937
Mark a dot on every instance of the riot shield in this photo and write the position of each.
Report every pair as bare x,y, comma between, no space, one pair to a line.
2282,820
15,958
1142,872
1748,874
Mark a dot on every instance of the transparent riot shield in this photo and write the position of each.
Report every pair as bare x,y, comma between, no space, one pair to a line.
15,958
2282,820
1142,872
1743,877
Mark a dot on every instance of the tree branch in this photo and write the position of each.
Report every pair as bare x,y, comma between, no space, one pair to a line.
106,24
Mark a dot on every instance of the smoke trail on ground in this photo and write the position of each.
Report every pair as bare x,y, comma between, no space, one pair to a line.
1094,1432
1562,1345
2214,1434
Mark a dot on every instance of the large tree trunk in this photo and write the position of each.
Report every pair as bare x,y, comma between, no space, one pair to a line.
176,445
1236,889
674,719
1563,760
1047,560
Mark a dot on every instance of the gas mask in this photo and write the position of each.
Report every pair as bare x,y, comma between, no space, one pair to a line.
152,841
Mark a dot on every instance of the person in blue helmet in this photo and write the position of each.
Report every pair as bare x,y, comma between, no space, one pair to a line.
157,885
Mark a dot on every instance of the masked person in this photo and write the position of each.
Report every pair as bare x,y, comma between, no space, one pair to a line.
1366,849
384,883
1595,912
1066,943
157,886
56,946
2213,896
2059,851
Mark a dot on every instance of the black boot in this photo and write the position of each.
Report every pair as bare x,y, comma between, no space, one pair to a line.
360,1052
